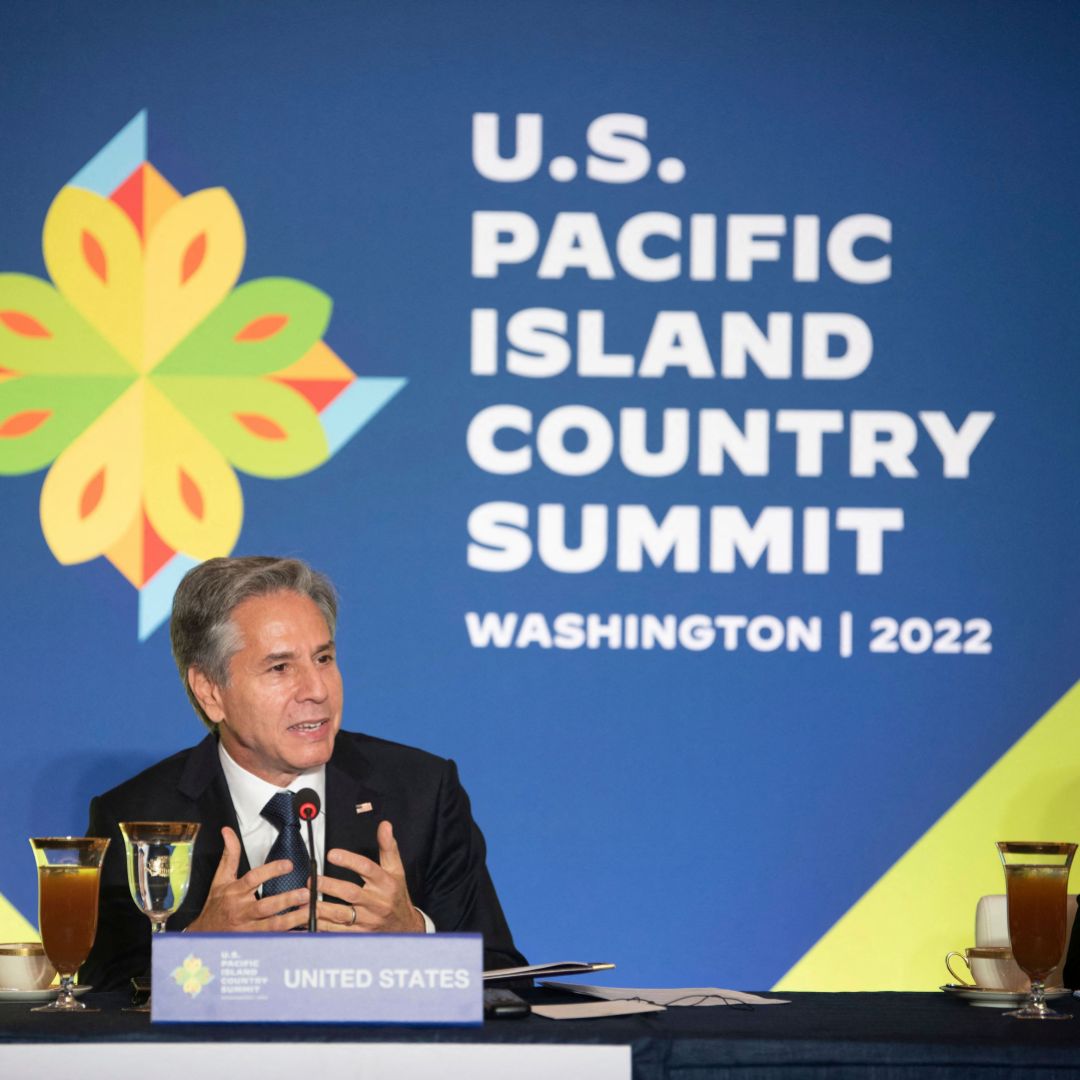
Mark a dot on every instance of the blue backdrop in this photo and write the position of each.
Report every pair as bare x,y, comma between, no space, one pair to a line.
678,810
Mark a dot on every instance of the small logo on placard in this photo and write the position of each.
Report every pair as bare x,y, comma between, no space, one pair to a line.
192,975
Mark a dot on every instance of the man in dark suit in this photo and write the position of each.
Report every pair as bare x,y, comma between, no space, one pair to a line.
253,642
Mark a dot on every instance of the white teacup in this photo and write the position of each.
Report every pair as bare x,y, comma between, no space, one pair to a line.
24,966
991,969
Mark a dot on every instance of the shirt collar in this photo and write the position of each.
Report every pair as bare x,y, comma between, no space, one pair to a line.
251,793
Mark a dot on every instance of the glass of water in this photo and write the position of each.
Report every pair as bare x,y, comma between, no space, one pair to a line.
158,856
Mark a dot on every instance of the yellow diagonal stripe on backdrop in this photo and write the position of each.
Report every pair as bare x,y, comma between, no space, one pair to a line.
896,936
13,927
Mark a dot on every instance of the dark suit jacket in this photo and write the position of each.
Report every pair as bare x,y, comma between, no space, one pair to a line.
441,847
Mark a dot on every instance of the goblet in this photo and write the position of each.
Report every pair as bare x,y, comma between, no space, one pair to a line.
69,874
158,856
1036,886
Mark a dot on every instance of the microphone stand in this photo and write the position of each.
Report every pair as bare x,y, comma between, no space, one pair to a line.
313,869
308,804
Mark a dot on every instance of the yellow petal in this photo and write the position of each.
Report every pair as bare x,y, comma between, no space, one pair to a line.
140,553
158,196
194,255
320,363
127,553
193,498
91,494
93,254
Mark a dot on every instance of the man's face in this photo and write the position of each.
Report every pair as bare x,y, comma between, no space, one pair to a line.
281,710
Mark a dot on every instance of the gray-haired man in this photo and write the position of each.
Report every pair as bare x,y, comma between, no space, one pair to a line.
253,640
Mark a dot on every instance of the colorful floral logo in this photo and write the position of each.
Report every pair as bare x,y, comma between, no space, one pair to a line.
144,377
192,975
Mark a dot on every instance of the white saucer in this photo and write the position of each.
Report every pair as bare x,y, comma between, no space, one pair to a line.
37,995
999,999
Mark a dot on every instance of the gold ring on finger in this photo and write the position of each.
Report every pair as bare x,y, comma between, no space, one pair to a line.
352,922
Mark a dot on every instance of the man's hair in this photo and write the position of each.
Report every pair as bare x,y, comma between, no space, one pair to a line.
202,631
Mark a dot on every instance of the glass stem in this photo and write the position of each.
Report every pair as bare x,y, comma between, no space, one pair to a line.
66,998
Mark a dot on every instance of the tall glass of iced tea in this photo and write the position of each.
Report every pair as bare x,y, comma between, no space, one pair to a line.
69,873
1036,888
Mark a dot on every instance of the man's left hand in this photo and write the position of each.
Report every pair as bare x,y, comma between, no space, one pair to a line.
382,905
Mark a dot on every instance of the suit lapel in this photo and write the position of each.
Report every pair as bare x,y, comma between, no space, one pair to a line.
354,808
204,783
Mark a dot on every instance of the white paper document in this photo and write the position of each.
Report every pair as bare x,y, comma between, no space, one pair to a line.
589,1010
677,997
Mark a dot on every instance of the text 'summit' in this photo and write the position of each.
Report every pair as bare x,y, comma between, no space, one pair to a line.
528,352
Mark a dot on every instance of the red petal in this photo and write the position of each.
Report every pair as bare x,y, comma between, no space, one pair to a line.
192,496
156,553
18,322
130,197
91,495
262,426
193,257
94,255
261,328
22,423
320,392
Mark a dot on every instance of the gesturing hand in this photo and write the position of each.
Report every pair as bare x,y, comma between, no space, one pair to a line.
382,905
232,906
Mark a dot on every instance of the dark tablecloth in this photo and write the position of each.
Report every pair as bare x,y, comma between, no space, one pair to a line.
880,1036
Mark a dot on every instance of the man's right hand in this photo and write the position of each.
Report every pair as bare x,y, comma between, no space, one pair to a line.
232,906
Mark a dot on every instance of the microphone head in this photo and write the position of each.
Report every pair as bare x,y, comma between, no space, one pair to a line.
307,804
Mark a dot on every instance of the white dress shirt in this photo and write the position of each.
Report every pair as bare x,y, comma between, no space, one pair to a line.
250,794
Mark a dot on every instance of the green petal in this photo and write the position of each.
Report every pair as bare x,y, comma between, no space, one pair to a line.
261,427
260,327
41,415
42,334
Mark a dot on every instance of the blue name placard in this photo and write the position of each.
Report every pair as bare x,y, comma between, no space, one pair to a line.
318,978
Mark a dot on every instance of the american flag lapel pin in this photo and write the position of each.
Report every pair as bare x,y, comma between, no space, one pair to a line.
364,808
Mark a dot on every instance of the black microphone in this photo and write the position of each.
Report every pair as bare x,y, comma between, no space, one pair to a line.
308,804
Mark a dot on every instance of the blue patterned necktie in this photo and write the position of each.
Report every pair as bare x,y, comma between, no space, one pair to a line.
280,811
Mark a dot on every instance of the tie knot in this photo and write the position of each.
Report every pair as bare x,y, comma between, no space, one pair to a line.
280,811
